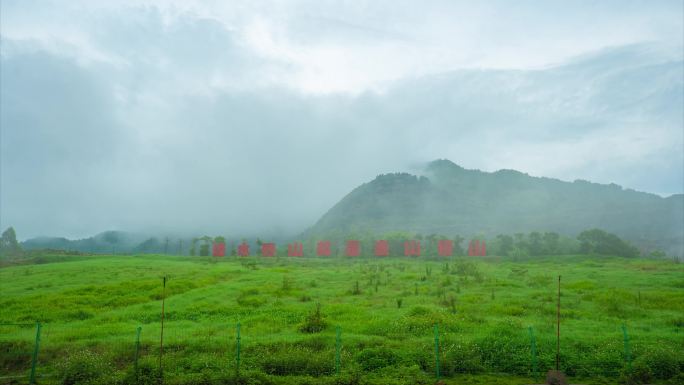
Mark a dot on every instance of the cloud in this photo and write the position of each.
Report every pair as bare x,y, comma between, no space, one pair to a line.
240,121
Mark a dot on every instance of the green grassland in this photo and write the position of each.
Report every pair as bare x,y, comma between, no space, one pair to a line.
90,307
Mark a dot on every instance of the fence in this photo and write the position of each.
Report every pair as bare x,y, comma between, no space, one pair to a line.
36,353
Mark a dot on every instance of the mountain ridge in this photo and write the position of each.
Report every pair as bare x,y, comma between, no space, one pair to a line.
450,199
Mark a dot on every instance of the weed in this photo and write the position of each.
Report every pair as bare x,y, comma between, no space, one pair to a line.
314,322
356,290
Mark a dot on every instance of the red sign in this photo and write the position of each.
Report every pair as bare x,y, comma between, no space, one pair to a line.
445,247
268,250
412,248
381,248
353,248
218,250
243,250
295,249
323,249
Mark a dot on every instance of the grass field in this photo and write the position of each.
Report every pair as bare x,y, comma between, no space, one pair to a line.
386,309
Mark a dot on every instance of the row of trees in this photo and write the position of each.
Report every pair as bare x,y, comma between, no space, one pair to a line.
594,241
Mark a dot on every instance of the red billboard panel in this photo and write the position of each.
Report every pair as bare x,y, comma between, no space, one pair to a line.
323,249
295,249
268,249
412,248
218,250
243,250
353,248
381,248
445,248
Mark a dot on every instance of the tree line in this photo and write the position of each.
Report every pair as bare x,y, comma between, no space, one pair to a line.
590,242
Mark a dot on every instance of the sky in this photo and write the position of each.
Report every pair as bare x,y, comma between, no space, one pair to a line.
255,117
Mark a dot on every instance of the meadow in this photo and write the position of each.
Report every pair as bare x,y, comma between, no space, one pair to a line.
385,310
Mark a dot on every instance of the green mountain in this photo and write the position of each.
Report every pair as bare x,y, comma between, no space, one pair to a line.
448,199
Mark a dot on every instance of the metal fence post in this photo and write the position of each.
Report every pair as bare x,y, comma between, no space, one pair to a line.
34,360
137,350
237,351
338,345
437,351
628,352
533,349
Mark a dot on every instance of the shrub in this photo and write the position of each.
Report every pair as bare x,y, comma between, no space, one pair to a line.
554,377
147,374
287,284
314,322
638,374
83,367
297,362
463,359
10,362
250,298
376,358
662,364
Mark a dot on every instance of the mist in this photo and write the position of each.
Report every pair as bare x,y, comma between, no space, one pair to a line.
249,120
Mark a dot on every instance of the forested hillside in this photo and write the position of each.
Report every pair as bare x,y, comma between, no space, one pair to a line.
449,199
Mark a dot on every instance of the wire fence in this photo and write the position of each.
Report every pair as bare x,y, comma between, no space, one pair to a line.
51,352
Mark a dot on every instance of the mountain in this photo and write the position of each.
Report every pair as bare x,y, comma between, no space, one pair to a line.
106,242
449,199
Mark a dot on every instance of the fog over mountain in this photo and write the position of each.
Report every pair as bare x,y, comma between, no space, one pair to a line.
250,118
449,200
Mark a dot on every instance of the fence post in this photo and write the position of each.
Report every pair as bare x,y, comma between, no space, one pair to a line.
34,360
558,326
137,350
338,343
628,353
237,351
533,349
161,336
437,351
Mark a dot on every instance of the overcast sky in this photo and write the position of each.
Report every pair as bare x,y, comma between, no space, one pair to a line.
245,117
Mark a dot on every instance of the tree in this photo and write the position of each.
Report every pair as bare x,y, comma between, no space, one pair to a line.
521,243
551,246
430,244
8,242
193,248
204,247
597,241
151,245
535,245
458,249
505,244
